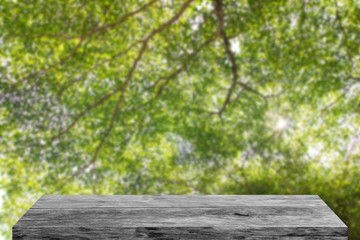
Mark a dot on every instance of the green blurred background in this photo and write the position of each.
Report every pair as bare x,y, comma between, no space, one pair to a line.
180,97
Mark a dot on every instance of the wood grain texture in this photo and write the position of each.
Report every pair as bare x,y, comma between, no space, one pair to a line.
180,217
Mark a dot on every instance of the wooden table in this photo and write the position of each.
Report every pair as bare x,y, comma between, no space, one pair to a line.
180,217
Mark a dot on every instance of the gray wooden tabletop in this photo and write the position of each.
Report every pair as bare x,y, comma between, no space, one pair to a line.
180,217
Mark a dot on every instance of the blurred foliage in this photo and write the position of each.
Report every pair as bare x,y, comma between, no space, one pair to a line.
180,97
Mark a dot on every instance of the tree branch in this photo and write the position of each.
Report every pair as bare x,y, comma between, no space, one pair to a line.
344,34
338,99
62,61
99,146
179,69
122,88
349,56
218,9
63,89
246,87
117,22
82,38
94,31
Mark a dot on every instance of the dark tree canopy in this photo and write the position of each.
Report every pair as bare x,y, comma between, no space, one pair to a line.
180,97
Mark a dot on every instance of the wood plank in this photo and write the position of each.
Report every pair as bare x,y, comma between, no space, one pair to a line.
180,217
196,201
164,233
113,212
